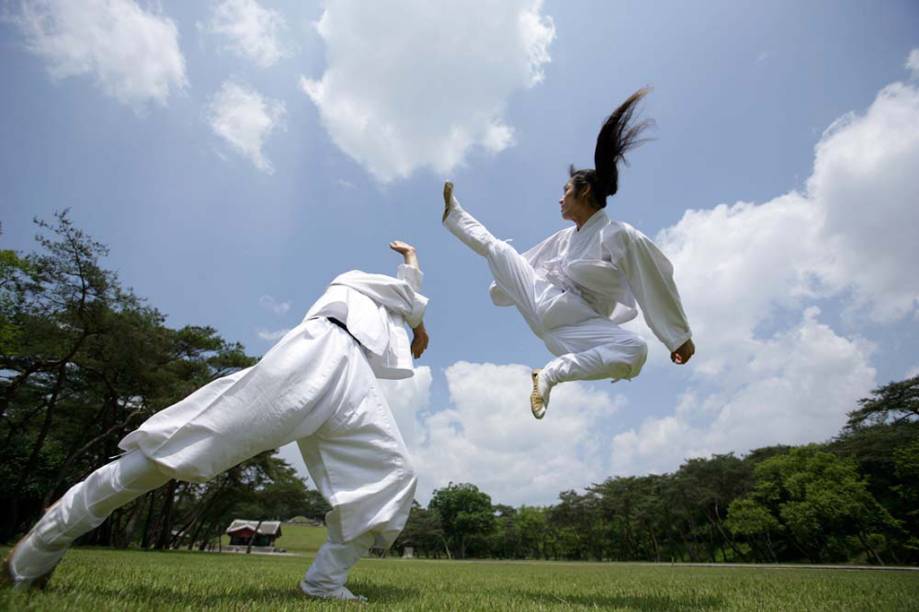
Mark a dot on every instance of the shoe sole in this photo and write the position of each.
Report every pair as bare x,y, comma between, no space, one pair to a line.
537,405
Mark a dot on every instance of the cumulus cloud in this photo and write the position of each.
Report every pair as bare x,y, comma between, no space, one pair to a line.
795,387
865,184
410,85
132,53
487,436
272,305
244,120
271,336
912,63
250,30
744,268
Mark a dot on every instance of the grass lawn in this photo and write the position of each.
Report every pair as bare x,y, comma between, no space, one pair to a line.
101,579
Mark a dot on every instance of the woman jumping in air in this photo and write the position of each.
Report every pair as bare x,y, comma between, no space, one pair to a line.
576,287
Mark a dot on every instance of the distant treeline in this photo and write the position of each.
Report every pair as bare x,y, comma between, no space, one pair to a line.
855,499
83,361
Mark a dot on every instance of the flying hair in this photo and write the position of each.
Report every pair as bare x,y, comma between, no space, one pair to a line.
619,135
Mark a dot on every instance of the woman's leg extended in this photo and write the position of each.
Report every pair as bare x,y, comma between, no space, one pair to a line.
513,274
593,350
82,508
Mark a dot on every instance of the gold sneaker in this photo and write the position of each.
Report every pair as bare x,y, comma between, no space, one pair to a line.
537,402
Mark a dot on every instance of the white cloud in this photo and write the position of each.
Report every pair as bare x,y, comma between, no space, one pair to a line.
251,30
272,305
132,53
266,334
410,85
744,269
487,436
245,119
865,184
912,63
913,371
793,388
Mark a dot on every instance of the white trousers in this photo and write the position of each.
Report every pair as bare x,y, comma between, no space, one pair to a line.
587,346
356,457
87,504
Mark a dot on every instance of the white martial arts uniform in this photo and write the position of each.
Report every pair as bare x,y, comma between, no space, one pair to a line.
316,386
577,286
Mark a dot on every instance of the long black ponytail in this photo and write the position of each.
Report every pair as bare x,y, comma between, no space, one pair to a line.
617,136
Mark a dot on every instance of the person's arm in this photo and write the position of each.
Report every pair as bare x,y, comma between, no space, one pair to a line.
412,276
650,276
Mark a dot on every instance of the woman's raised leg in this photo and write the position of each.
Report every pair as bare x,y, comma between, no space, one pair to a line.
513,274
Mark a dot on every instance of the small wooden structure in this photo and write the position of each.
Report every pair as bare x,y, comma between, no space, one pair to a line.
243,533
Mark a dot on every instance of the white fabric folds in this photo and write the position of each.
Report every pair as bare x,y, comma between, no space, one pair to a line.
611,266
316,386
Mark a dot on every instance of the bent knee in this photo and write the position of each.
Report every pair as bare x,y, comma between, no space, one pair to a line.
638,350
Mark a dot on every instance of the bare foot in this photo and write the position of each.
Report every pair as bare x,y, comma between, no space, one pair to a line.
448,200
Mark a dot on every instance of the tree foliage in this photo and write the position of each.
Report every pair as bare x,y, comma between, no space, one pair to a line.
83,361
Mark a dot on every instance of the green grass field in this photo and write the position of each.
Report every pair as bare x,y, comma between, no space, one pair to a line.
100,579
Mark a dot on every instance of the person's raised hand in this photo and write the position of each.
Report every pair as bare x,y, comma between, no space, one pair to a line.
403,248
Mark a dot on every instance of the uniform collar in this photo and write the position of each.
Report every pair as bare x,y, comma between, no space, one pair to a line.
598,219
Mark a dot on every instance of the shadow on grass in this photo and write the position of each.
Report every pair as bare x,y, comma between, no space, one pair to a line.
266,597
656,603
383,593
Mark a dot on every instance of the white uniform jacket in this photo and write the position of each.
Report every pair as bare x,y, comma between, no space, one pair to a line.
612,265
315,379
374,307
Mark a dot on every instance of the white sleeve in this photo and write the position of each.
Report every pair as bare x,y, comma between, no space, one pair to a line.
411,275
650,277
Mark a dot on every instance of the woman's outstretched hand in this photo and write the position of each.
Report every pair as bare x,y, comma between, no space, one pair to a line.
684,353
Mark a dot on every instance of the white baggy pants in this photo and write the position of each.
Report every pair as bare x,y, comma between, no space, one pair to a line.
357,459
587,346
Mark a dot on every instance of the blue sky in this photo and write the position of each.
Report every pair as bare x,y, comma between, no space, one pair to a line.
237,155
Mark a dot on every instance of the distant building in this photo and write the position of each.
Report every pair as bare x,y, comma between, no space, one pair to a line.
241,532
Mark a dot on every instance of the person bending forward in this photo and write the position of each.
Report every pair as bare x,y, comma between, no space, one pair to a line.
316,386
575,288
